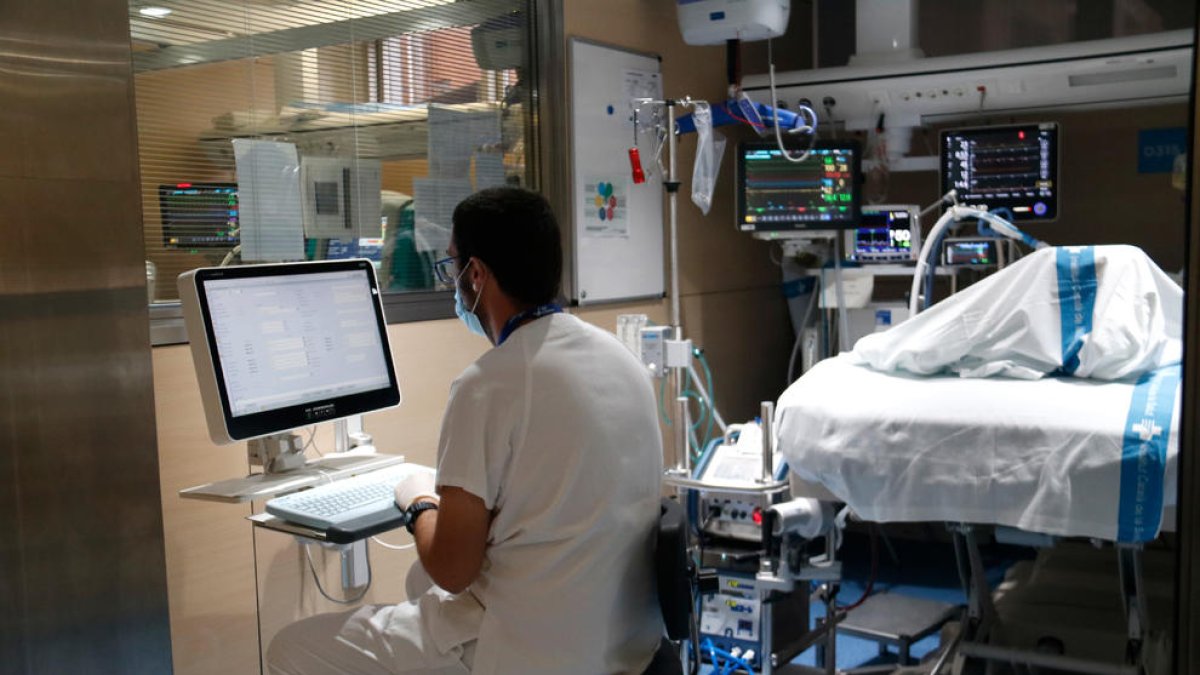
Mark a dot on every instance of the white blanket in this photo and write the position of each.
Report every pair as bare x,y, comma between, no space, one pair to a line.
1062,456
1102,312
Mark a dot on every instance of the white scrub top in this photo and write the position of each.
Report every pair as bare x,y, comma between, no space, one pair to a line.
556,431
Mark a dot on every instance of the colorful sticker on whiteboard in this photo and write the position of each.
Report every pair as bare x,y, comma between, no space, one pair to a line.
605,202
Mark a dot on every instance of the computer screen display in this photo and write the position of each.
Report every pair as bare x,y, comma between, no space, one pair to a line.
290,345
199,215
821,193
885,234
1013,167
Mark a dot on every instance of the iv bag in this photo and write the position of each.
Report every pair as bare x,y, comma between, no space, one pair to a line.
710,148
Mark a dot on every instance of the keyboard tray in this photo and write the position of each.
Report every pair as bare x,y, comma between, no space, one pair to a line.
346,533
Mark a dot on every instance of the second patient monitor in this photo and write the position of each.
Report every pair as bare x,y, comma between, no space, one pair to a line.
886,234
1012,167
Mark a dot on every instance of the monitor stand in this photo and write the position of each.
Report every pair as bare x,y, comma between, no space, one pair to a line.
277,453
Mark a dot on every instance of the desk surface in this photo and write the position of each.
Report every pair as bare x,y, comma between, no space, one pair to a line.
264,486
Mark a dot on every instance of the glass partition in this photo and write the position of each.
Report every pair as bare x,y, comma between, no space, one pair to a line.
315,130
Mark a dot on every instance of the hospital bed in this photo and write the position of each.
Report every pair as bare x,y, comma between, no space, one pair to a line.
1054,457
1051,457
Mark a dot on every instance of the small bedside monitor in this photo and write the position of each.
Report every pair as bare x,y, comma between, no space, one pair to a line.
970,252
886,234
282,346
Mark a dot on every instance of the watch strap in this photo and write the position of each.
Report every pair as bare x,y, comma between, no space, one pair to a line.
415,509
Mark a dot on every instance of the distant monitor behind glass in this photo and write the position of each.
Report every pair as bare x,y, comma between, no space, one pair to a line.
821,193
199,215
1013,167
277,347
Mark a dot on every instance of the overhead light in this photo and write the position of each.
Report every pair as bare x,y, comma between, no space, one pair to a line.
155,12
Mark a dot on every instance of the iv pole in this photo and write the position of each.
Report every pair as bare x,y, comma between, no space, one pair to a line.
678,350
683,459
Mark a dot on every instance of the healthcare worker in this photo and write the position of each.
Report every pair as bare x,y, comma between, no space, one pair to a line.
538,530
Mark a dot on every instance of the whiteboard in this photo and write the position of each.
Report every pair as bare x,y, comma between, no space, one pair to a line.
618,225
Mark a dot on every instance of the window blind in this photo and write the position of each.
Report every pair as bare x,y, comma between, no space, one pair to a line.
275,131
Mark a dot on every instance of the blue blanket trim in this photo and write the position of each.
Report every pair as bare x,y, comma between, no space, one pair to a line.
1144,454
1077,300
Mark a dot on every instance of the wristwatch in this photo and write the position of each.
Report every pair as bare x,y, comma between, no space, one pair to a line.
415,509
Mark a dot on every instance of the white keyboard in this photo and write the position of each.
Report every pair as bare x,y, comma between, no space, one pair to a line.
334,504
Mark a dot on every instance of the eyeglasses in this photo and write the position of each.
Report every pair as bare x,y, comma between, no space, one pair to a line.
446,270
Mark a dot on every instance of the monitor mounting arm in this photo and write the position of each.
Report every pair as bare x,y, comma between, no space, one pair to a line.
277,453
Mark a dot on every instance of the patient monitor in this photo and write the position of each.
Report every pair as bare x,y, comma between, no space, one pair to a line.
199,215
777,195
278,347
1013,167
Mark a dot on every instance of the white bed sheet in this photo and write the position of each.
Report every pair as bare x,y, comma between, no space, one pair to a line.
1043,455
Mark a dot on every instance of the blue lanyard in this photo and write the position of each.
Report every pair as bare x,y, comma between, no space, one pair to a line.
538,312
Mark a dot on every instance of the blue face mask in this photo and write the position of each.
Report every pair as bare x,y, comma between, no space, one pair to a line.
468,316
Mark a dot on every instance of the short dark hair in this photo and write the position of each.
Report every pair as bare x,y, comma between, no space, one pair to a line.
515,233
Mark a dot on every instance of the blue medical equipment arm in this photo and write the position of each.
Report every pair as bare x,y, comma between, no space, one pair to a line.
723,114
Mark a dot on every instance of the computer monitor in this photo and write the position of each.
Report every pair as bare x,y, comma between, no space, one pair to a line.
282,346
821,193
1013,167
886,234
199,215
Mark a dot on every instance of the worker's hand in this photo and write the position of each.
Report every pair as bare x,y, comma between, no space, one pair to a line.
421,482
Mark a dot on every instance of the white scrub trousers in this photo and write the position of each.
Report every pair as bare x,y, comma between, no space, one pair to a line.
435,635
